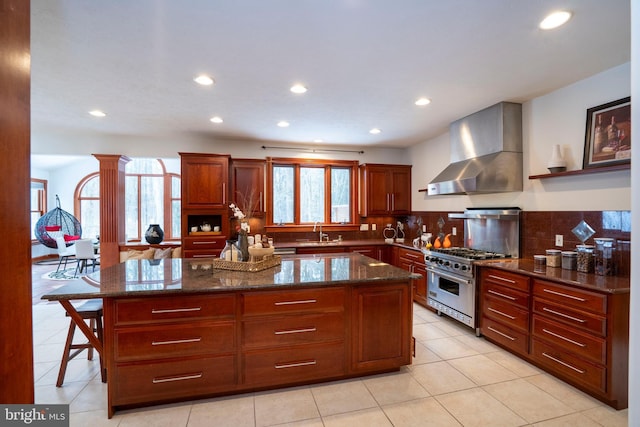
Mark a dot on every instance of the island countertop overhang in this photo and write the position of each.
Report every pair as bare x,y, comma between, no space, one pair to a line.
184,276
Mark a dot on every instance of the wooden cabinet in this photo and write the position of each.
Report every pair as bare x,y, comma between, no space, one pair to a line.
203,246
204,181
379,252
413,261
385,189
248,186
381,327
505,309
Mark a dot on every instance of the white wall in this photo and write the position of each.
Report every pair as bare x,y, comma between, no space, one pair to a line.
555,118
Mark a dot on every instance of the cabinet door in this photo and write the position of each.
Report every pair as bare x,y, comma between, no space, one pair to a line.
378,196
400,194
204,181
381,327
420,285
247,186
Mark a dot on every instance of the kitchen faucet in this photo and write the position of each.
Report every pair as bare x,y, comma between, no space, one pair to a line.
321,234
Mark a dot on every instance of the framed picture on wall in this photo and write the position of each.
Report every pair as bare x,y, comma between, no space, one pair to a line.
608,134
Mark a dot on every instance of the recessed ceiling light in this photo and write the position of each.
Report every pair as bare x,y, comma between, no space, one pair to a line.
298,88
97,113
375,131
216,119
283,124
318,140
203,80
555,19
423,101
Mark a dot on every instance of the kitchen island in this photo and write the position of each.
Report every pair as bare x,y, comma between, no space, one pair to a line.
180,329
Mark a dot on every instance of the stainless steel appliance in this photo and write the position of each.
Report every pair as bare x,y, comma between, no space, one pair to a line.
451,282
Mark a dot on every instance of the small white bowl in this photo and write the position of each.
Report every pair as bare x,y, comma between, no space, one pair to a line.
258,253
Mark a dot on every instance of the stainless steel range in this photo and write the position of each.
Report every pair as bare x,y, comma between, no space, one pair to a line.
451,285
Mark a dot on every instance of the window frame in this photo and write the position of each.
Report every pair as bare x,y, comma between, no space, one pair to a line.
297,164
42,202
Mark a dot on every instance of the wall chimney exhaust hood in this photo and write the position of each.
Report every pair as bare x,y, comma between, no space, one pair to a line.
486,153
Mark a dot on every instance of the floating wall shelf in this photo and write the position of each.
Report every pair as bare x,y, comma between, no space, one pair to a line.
583,171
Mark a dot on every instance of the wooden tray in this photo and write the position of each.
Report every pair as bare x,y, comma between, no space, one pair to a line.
205,233
267,262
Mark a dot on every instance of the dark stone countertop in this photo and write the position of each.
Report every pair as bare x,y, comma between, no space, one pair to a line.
588,281
135,278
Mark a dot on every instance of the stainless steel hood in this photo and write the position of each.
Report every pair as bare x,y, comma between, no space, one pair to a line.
486,153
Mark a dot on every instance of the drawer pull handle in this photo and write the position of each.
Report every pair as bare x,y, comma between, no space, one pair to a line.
501,333
580,371
202,242
294,364
491,291
180,378
294,331
304,301
174,310
204,256
504,279
566,316
579,344
549,291
501,313
185,341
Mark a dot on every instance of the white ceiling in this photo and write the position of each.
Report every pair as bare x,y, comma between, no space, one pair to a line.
364,62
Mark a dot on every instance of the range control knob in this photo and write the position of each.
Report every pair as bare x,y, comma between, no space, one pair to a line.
464,267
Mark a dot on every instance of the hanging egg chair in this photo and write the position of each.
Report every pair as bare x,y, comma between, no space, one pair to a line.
56,223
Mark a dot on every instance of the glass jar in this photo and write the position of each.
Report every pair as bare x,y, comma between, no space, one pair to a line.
604,256
584,262
569,260
553,258
539,263
231,251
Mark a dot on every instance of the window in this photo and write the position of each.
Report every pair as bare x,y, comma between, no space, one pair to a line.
308,191
38,202
88,208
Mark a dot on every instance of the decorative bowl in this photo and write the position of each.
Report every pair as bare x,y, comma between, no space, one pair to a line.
258,253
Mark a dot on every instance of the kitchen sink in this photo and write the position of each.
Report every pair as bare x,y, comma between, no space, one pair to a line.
319,243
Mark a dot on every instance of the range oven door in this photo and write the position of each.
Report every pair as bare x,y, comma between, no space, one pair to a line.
452,295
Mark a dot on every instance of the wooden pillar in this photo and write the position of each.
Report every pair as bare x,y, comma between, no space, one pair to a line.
16,335
112,207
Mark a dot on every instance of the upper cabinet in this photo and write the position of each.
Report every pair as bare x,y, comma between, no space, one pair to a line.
385,189
205,179
247,186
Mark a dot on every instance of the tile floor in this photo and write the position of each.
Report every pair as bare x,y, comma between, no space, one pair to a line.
456,379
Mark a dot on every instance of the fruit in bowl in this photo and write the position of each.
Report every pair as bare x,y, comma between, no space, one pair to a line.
257,253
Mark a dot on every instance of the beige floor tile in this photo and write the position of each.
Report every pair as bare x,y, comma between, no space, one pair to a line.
285,406
394,388
48,352
440,377
424,355
477,408
316,422
342,396
452,328
49,393
157,416
236,411
78,370
93,397
571,420
373,417
608,417
40,369
479,344
564,392
420,413
528,401
482,370
449,348
427,331
514,363
93,418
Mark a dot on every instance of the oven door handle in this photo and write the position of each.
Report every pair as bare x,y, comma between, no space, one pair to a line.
450,276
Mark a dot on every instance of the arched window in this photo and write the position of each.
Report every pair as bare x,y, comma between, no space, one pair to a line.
152,196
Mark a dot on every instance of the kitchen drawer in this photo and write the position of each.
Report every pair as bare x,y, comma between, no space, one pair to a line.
504,278
506,294
295,301
566,295
567,315
410,255
506,313
201,243
203,338
510,338
587,373
294,364
163,309
210,253
157,381
297,329
570,339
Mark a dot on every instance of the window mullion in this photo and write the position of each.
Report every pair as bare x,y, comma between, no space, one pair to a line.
327,194
296,194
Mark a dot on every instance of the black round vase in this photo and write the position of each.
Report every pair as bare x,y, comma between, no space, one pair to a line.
154,234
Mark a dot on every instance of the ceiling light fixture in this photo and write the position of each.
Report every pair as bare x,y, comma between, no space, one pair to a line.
421,102
555,19
283,124
375,131
216,119
203,80
298,88
97,113
318,140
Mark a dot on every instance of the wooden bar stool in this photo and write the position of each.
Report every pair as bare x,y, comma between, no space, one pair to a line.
91,310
